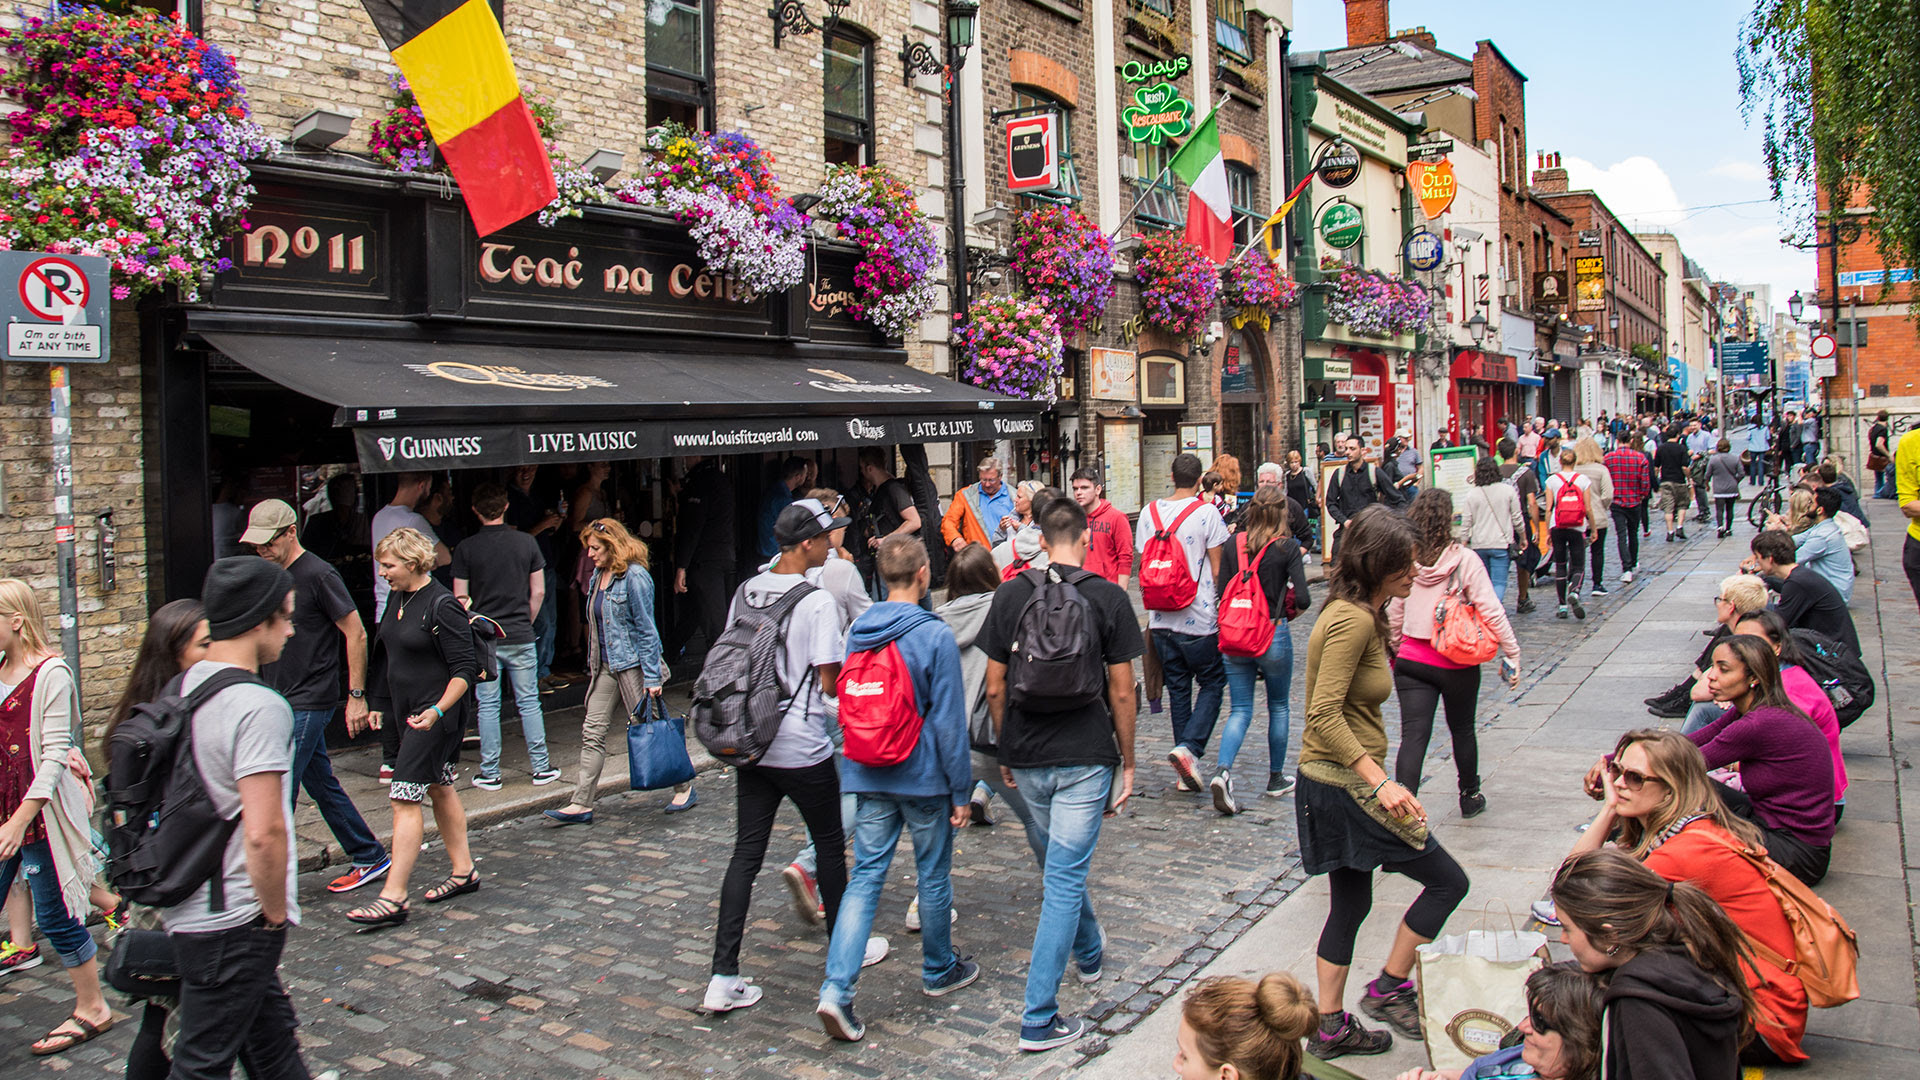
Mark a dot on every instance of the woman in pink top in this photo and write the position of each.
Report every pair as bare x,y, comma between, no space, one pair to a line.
1422,676
1803,691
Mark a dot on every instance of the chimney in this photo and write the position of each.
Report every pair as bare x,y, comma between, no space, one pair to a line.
1366,22
1420,36
1548,177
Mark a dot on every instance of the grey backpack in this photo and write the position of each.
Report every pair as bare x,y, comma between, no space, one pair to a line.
738,699
1055,663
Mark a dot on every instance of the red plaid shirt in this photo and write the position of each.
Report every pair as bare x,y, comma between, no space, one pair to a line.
1632,476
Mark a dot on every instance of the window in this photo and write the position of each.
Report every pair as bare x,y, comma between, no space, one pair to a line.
1230,28
1160,203
1068,189
1158,7
848,61
679,75
1243,194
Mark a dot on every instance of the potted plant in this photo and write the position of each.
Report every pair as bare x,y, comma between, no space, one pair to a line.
1252,287
898,278
1179,285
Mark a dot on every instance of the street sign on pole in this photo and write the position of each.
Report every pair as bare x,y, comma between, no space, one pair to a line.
1743,363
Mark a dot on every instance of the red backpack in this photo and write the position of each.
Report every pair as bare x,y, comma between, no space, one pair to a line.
1569,504
1166,581
1246,624
878,715
1014,568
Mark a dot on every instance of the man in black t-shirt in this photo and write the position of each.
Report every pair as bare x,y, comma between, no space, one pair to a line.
500,573
888,509
1670,461
326,628
1880,449
1807,599
1064,763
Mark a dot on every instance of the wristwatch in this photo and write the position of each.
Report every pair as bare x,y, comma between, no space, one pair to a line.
356,694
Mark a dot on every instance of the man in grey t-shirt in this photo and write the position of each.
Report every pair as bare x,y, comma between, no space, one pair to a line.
231,998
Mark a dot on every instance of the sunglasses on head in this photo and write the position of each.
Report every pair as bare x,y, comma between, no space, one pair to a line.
600,527
1632,778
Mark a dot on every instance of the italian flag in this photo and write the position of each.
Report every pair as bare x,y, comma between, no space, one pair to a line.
1209,212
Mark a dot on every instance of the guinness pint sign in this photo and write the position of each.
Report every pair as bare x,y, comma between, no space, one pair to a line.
1339,165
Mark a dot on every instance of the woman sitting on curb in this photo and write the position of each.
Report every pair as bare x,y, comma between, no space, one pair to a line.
1561,1033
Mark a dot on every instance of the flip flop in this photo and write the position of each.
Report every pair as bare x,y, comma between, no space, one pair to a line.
87,1033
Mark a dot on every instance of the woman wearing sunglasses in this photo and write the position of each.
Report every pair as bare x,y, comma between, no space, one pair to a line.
1662,809
1669,962
1560,1035
623,658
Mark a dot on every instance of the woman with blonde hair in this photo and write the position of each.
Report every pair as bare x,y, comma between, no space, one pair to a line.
1239,1029
624,666
1590,461
1740,595
1799,516
421,672
46,804
1668,814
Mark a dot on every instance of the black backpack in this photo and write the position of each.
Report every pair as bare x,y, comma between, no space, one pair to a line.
738,699
1838,670
165,838
1055,663
487,636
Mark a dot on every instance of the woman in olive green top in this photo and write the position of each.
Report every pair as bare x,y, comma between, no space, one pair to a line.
1354,818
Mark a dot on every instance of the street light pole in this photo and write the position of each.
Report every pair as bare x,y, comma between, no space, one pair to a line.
959,34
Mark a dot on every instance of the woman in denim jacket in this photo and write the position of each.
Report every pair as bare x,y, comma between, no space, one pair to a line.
623,657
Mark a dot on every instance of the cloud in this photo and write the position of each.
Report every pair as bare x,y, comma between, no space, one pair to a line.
1746,172
1637,190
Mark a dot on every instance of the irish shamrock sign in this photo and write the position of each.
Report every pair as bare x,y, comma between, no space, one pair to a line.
1159,114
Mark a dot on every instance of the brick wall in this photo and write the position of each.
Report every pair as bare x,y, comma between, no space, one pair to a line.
107,475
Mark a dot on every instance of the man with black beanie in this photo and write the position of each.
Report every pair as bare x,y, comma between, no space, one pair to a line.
232,1003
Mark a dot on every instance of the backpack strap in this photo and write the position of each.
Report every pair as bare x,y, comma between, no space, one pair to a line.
225,678
1180,518
780,611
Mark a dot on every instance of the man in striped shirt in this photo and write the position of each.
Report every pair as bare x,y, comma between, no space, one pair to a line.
1632,482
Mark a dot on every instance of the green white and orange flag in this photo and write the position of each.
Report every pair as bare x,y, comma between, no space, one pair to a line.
455,58
1209,209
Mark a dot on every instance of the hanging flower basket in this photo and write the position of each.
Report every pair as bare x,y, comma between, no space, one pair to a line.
1179,286
722,188
1065,262
1009,346
131,146
1253,282
1369,303
898,280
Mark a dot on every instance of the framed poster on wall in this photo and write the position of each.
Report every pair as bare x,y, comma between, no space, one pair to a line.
1113,374
1156,465
1163,380
1197,439
1120,453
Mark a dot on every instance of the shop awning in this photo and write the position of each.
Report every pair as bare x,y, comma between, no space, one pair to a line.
437,405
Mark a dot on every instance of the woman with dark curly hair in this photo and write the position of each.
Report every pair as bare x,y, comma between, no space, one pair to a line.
1561,1033
1446,573
1353,817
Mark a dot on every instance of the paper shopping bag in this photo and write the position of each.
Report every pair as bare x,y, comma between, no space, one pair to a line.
1473,991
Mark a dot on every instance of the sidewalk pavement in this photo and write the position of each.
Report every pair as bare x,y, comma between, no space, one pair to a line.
1535,748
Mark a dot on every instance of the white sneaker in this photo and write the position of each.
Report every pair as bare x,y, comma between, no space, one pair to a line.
728,992
877,949
913,916
1626,577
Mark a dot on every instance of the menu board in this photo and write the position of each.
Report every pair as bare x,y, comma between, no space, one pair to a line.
1156,464
1452,468
1120,452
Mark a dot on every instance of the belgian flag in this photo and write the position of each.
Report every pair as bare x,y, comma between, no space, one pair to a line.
455,57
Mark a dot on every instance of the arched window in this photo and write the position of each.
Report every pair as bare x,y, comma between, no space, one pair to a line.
1068,189
848,62
680,62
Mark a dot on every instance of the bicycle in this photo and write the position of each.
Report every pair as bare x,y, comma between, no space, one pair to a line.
1770,499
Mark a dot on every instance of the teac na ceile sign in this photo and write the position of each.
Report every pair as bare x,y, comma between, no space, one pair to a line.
57,308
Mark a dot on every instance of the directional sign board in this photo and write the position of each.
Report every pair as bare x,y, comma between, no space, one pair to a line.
1743,359
56,307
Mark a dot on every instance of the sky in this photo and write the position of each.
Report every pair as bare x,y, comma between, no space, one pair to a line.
1641,99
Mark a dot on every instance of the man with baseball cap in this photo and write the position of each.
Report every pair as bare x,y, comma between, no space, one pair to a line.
326,627
799,763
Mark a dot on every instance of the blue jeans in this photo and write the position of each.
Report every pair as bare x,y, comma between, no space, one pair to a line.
1812,452
1068,803
519,665
1497,560
314,767
543,626
1883,483
1185,659
1276,671
876,834
1702,714
68,934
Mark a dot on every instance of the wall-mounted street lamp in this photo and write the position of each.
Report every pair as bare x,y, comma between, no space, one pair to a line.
1477,327
1424,100
919,58
320,129
1796,305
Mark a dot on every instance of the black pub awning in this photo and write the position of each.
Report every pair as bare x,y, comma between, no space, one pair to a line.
434,405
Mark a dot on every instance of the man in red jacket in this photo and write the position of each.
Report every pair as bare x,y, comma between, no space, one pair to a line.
1109,536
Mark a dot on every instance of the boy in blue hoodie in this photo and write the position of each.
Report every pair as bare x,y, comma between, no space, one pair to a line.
926,794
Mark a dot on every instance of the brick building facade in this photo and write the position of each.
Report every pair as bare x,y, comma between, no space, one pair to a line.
1883,367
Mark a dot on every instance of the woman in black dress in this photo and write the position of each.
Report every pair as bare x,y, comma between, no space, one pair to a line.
423,670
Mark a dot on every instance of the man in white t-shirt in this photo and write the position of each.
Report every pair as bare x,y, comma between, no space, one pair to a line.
1187,641
232,1003
400,514
1573,524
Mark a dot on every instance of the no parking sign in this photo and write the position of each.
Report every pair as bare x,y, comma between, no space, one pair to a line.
55,306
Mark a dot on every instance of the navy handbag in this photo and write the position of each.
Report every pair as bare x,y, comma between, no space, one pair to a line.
656,747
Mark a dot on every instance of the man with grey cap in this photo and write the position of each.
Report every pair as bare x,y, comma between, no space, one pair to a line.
232,1004
326,629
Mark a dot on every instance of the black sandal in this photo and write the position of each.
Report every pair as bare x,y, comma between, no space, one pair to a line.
454,886
380,913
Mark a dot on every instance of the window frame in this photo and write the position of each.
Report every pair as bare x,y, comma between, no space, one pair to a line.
1249,213
1150,210
1223,11
865,45
685,89
1067,191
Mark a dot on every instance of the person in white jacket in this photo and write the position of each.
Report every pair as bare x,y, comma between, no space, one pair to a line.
1423,676
1490,517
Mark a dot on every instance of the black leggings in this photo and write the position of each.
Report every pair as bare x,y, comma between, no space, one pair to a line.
1723,507
815,790
1569,558
1796,856
1422,688
1352,900
147,1057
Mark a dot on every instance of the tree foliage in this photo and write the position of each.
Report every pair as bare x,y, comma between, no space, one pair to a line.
1836,87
